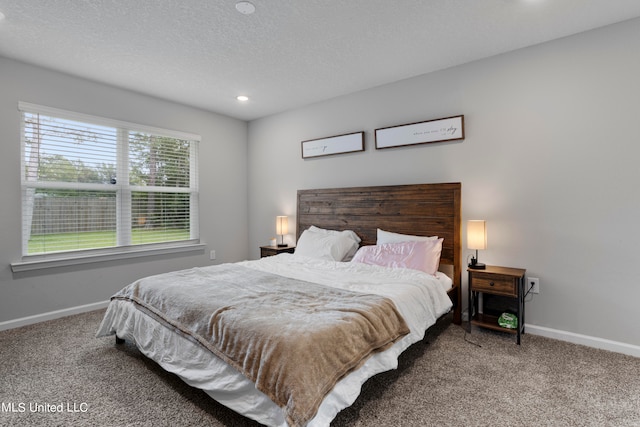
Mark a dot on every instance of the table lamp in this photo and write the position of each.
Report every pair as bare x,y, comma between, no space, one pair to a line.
476,239
282,228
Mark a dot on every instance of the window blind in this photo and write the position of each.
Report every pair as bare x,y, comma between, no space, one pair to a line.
94,183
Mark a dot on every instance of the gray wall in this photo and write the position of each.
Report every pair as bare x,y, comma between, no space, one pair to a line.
549,160
223,184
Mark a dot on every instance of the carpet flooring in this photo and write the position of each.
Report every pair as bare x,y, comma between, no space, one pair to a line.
57,373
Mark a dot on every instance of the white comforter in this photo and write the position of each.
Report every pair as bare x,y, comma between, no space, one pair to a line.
420,298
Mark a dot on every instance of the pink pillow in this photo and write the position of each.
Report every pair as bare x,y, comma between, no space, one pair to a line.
423,256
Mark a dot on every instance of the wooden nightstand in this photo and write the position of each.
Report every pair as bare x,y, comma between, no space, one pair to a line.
502,289
275,250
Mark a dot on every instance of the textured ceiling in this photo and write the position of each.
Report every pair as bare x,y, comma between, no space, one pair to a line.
289,53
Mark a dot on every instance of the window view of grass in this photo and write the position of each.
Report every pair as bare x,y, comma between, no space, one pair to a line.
84,180
42,243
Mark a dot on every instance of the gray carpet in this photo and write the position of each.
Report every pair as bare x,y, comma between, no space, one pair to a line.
443,381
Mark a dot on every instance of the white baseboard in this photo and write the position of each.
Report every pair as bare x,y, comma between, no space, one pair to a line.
604,344
601,343
595,342
30,320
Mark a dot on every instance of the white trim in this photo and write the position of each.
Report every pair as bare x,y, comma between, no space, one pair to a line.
600,343
52,315
75,259
589,341
103,121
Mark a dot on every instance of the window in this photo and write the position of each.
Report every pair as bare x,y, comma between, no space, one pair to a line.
97,184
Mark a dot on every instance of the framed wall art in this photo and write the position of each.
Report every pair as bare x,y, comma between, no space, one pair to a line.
339,144
438,130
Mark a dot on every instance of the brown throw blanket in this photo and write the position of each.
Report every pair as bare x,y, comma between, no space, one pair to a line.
294,339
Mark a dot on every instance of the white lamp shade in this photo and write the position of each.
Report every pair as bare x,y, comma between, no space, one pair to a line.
476,234
282,225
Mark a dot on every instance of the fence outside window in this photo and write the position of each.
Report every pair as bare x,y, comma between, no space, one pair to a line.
90,182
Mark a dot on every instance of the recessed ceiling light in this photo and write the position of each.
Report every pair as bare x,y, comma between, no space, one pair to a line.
242,98
245,7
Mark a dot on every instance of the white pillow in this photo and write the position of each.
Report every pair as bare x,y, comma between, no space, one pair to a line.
348,233
329,246
389,237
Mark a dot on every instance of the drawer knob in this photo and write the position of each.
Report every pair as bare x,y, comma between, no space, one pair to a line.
491,283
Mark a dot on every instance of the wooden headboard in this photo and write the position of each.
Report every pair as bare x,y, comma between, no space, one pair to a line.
418,209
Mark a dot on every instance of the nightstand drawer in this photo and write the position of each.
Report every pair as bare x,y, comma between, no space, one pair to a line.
275,250
495,284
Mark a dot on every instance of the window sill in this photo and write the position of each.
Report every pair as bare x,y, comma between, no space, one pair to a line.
30,263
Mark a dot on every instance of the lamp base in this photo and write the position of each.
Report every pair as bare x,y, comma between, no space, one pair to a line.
478,266
282,245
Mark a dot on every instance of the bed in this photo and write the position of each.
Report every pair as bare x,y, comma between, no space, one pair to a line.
298,334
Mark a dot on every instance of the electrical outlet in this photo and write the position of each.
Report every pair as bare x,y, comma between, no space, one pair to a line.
534,284
212,255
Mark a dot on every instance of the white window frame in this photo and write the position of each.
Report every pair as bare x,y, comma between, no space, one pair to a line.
124,250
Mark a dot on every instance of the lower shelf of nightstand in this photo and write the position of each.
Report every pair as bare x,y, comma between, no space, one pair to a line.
490,322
